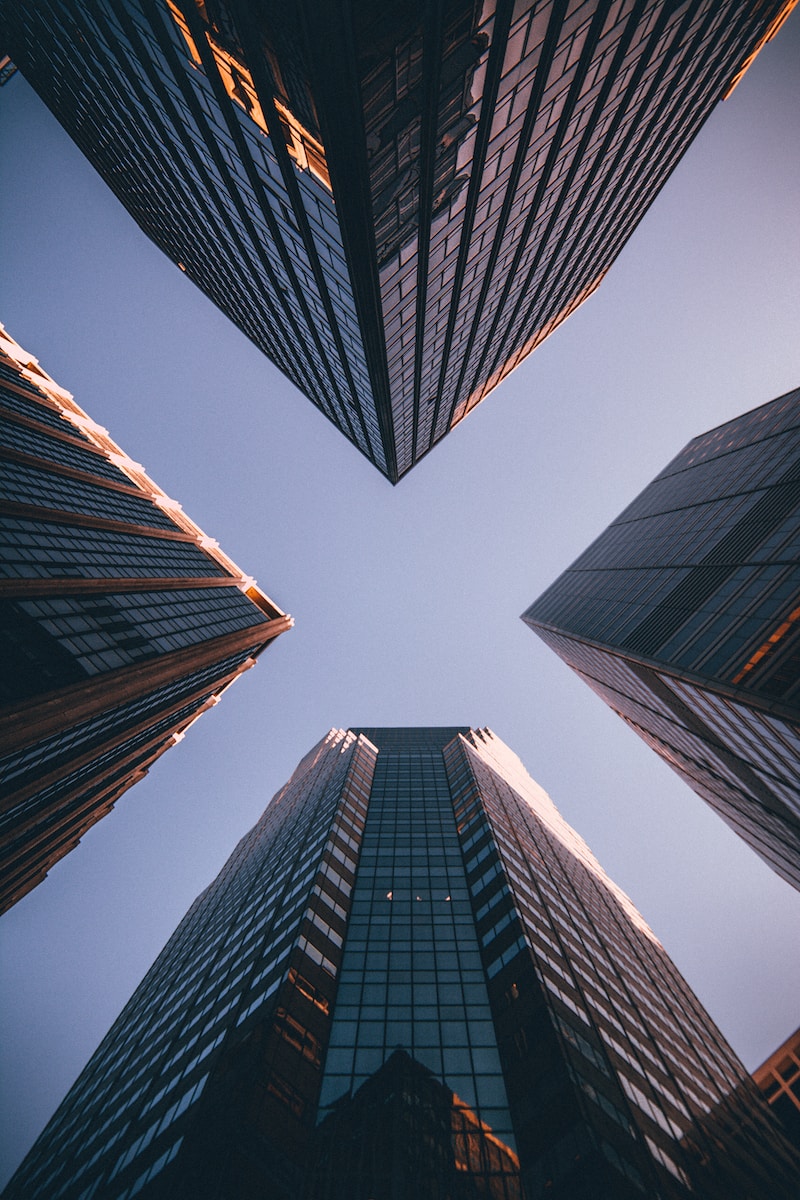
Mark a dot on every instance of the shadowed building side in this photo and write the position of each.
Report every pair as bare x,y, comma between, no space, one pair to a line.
398,202
120,622
403,1125
411,981
684,616
778,1079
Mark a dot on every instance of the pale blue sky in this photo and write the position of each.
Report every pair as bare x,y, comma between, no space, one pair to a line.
406,599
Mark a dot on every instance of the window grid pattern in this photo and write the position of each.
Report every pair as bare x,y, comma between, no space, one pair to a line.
608,980
22,484
508,151
186,150
30,407
10,374
281,969
46,550
108,589
24,766
411,974
47,800
684,615
778,1079
232,957
710,550
114,630
56,450
593,106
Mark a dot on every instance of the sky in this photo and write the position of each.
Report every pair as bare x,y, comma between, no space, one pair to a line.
406,599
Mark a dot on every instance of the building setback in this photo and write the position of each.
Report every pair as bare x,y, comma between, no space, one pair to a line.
120,622
395,202
411,979
684,616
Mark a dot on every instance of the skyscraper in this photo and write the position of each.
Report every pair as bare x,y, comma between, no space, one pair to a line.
411,978
779,1080
120,622
684,616
395,202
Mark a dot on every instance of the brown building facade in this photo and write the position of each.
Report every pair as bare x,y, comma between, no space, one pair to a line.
120,622
779,1080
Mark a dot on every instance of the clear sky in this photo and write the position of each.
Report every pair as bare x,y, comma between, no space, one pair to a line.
406,599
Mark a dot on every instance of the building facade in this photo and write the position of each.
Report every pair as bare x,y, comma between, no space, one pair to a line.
779,1080
120,622
411,979
396,203
684,616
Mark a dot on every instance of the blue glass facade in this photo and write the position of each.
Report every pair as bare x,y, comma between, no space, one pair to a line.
411,974
684,616
779,1081
411,979
254,963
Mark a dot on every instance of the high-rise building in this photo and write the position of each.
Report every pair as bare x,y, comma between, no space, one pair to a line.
396,202
779,1080
684,616
120,622
411,979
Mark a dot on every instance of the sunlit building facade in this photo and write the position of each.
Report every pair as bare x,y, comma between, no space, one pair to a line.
411,979
779,1080
395,202
684,616
120,622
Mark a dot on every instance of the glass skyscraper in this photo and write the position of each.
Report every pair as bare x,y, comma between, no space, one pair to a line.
120,622
396,202
411,979
684,616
